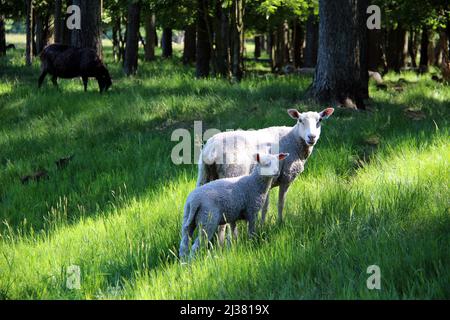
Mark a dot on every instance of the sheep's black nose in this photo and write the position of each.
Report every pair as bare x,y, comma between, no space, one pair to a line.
312,137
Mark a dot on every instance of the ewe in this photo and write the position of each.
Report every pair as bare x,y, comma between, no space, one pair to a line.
227,201
225,154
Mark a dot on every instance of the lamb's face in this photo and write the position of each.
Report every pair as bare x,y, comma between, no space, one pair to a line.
269,163
309,124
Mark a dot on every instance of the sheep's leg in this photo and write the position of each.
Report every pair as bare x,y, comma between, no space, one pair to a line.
264,209
206,231
281,199
55,81
186,234
234,230
41,78
85,83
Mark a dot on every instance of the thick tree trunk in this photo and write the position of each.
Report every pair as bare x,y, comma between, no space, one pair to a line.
312,42
2,36
58,22
190,36
424,43
221,52
29,33
441,46
262,42
42,31
281,49
376,59
237,39
150,31
90,34
115,39
166,43
257,52
341,72
412,48
297,41
203,50
130,63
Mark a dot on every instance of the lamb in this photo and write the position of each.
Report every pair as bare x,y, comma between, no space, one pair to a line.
222,156
227,201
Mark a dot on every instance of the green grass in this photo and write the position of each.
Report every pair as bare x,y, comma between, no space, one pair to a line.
116,210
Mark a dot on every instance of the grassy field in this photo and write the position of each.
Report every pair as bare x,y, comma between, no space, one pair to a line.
375,190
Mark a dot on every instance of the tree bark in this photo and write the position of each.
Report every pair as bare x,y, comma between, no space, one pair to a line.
130,63
90,34
341,71
221,52
115,39
58,23
29,33
412,48
424,43
2,36
376,59
203,48
312,42
297,42
257,52
282,48
395,48
150,31
237,39
190,36
166,43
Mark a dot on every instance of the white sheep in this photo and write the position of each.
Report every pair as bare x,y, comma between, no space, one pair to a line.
225,154
227,201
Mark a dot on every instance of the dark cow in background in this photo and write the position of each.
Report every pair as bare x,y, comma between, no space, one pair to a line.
61,61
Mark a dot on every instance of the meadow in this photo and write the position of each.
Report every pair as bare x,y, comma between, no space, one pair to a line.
374,192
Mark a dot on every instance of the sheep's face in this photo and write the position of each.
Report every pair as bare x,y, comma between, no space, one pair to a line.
309,124
269,163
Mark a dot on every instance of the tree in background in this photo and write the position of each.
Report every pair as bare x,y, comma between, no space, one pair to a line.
2,36
130,63
90,34
341,71
29,32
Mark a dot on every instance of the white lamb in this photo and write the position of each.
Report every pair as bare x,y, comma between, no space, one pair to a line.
227,201
225,154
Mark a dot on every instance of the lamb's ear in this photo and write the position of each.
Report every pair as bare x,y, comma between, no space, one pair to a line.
283,156
294,113
325,114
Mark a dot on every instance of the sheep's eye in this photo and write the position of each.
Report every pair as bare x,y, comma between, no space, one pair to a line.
300,120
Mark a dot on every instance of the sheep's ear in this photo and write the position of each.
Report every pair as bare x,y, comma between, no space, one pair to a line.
294,113
257,158
325,114
283,156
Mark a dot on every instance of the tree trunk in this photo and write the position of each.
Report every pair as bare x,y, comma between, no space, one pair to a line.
130,63
440,48
282,48
424,43
190,36
257,52
203,49
29,32
116,39
42,31
150,31
166,43
395,49
341,72
90,34
262,42
221,52
237,39
297,41
312,42
58,22
375,54
2,36
412,48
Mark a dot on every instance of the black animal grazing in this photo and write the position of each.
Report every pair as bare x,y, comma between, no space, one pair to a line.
10,47
61,61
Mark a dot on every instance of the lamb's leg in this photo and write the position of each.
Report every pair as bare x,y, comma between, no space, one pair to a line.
234,230
281,199
41,78
264,209
208,226
221,232
252,225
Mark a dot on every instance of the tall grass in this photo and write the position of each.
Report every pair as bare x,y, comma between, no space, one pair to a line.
116,209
